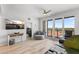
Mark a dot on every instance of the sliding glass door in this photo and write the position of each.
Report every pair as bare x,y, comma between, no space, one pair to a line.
69,26
61,27
58,27
54,28
49,27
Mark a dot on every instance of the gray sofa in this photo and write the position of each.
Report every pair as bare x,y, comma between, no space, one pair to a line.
39,35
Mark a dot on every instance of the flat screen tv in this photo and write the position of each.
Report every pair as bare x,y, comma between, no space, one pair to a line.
14,25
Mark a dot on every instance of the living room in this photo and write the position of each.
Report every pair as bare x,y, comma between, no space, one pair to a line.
24,27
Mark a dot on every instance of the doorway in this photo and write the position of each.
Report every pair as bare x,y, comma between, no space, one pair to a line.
29,29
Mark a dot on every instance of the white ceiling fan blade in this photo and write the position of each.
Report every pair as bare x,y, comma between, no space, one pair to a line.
48,11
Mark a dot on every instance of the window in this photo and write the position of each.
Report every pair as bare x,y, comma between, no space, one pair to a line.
58,27
69,22
50,27
69,25
50,23
58,23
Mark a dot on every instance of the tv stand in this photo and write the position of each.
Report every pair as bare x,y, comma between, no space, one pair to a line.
14,35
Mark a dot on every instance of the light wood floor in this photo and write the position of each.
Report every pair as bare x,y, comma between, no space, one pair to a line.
28,47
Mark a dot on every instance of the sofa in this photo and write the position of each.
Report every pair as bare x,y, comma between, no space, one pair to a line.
39,35
72,44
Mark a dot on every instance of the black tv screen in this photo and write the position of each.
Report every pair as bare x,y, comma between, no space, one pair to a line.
14,24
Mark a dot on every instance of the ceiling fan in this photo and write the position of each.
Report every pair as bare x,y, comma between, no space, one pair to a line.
45,12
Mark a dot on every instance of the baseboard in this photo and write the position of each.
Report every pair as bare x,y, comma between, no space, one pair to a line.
3,44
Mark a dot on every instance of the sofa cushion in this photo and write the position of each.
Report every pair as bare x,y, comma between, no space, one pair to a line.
72,42
39,33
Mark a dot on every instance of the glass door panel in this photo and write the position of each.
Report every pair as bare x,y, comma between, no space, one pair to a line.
50,27
49,32
58,28
69,26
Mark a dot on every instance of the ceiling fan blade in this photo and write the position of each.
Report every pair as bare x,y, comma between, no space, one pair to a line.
45,11
48,11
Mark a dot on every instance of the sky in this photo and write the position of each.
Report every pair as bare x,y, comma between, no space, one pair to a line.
68,23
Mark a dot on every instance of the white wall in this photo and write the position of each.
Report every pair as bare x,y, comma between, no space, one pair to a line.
5,14
22,12
72,12
4,33
16,13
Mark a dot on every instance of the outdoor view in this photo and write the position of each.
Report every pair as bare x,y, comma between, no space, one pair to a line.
68,26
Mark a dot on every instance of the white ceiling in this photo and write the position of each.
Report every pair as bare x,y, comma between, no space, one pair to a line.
34,10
